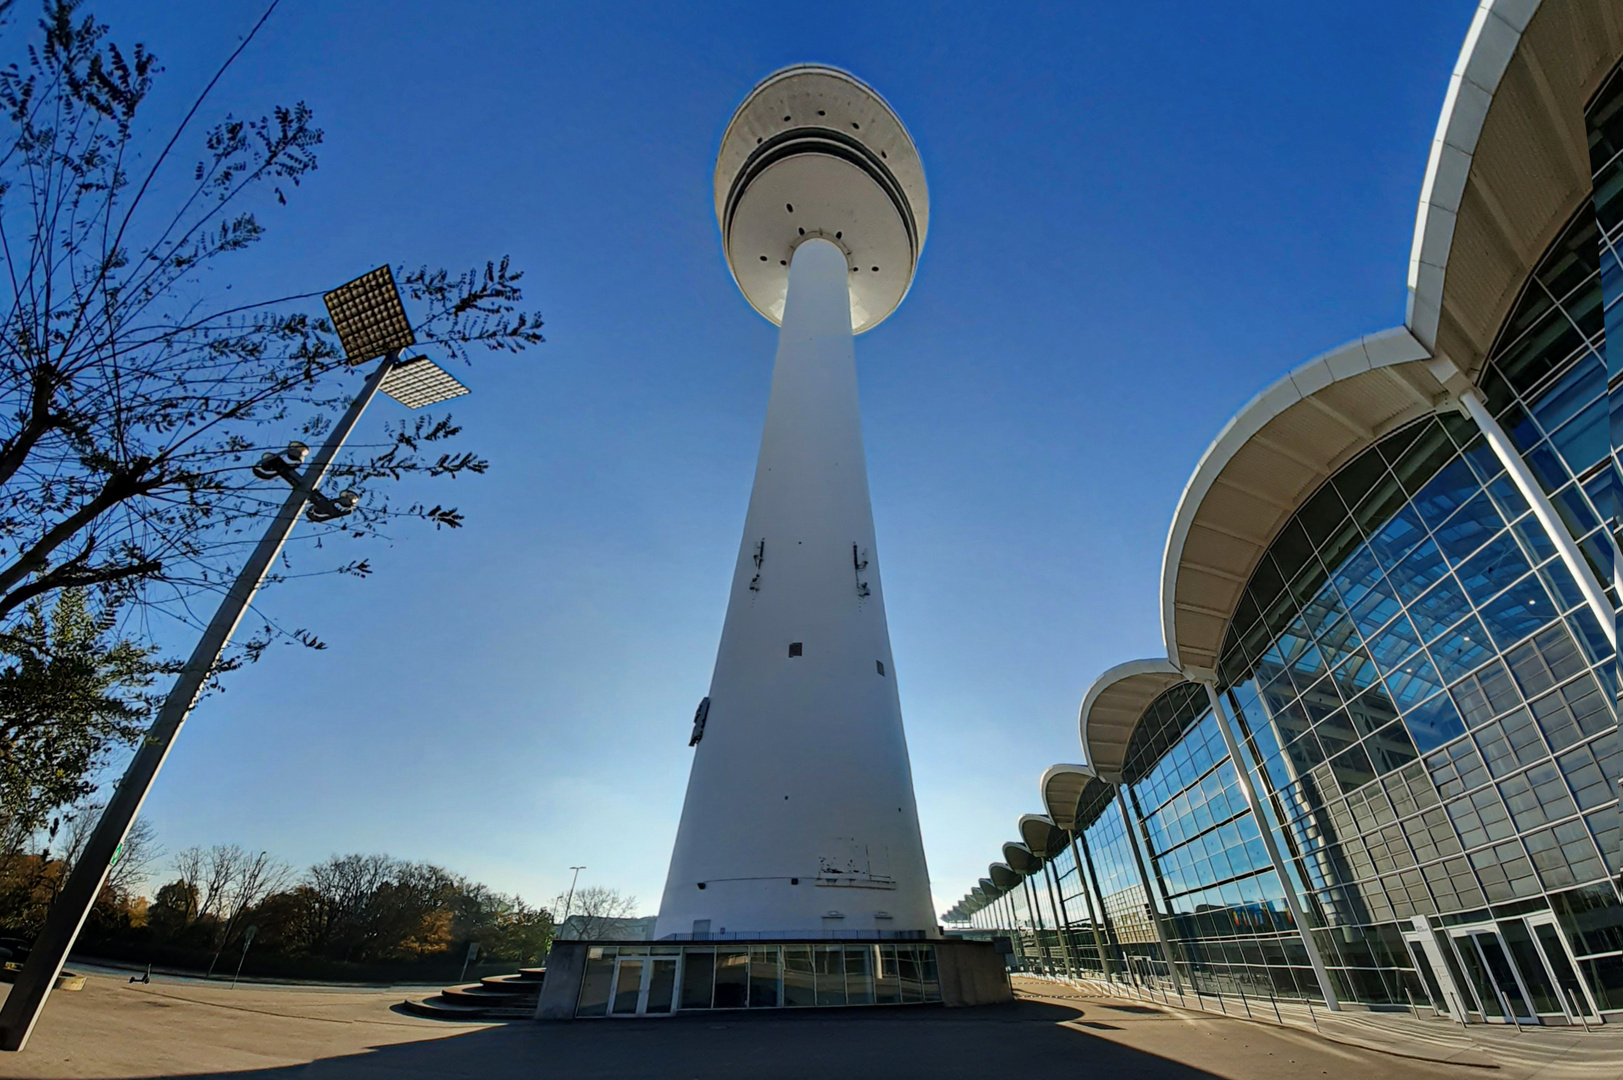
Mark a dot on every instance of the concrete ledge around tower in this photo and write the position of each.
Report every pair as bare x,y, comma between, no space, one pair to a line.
609,979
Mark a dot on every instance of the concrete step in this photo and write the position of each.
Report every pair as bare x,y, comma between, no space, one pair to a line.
494,997
476,994
435,1008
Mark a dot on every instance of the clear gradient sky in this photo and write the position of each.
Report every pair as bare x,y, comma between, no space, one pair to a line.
1141,214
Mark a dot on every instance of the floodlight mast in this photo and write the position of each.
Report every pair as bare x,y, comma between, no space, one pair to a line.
365,330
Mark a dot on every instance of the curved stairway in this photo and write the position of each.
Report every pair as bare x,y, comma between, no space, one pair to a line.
494,997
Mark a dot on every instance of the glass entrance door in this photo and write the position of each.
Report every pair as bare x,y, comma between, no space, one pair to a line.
1498,987
1575,999
628,977
661,994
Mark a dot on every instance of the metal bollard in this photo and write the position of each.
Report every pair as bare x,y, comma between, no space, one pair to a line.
1220,1003
1412,1010
1504,1003
1312,1016
1576,1011
1275,1004
1246,1003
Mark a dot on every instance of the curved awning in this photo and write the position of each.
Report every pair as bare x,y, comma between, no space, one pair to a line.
1113,706
1509,165
1003,876
1021,859
1265,463
1042,836
1062,787
990,888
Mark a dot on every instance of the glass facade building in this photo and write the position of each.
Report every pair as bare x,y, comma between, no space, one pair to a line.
1416,799
655,980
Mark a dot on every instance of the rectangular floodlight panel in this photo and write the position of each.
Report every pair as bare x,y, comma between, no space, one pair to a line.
419,382
369,317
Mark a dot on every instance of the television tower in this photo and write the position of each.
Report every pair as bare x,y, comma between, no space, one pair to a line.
800,819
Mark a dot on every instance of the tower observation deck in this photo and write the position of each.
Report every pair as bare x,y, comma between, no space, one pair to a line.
800,819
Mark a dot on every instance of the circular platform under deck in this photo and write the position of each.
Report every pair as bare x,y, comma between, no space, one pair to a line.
815,152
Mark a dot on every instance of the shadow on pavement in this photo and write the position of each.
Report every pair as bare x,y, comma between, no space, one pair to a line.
860,1043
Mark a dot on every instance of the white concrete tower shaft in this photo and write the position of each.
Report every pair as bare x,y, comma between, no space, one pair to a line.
800,819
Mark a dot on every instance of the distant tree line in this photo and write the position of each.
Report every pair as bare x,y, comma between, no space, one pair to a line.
360,917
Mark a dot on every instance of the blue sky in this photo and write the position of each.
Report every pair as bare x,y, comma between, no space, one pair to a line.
1142,214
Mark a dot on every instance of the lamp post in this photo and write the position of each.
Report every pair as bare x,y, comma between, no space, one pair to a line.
570,899
371,323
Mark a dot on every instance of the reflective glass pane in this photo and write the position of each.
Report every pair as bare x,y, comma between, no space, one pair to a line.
1434,723
661,986
698,978
799,988
627,987
830,960
596,985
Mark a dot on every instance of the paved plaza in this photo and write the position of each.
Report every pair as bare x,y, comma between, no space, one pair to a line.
188,1029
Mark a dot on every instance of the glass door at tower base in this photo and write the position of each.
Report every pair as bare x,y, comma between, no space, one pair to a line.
661,986
627,987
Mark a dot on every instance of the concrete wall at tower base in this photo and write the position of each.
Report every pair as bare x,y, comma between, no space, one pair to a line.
973,973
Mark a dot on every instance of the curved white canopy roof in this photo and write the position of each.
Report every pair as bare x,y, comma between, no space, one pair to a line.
1509,165
1062,787
1042,836
1021,859
1508,168
1112,707
1264,464
1003,876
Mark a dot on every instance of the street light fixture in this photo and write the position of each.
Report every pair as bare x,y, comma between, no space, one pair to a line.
571,898
371,322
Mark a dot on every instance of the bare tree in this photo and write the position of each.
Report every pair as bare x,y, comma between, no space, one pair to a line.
253,878
135,857
595,913
136,394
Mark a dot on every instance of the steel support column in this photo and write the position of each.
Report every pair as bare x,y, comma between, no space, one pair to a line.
1094,913
1149,889
1544,510
1270,843
1061,921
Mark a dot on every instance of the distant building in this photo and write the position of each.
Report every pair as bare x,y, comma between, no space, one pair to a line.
593,928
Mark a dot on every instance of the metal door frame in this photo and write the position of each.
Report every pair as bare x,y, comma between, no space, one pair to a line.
1456,933
648,985
642,985
1547,918
1426,942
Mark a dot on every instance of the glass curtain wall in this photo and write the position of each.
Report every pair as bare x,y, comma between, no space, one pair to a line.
1126,912
1076,900
644,980
1228,921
